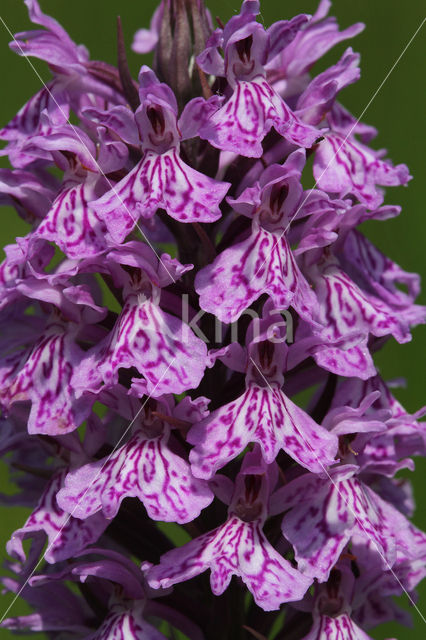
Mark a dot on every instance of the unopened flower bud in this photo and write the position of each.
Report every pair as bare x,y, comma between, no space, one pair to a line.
184,29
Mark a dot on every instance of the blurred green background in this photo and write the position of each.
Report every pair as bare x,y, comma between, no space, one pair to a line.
398,111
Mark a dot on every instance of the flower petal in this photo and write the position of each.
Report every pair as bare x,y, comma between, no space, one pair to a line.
66,535
335,628
265,416
163,349
245,119
344,166
236,548
160,181
144,468
43,376
72,223
263,263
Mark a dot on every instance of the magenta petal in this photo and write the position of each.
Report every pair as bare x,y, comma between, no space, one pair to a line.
320,95
346,166
66,535
160,181
196,114
51,99
242,123
354,362
25,191
145,40
119,119
236,548
268,417
282,33
68,138
263,263
346,310
162,348
73,224
324,520
310,44
53,44
144,468
384,276
124,623
336,628
43,376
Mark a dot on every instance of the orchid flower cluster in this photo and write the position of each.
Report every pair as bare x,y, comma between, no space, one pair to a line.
190,404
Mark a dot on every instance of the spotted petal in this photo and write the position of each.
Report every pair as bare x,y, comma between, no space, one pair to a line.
347,310
344,166
263,415
326,514
367,264
354,361
163,349
124,623
72,224
335,628
263,263
144,468
51,99
160,181
236,548
253,108
66,535
43,375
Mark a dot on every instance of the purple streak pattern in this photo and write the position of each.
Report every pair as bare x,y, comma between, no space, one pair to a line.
263,263
66,535
144,468
157,344
237,548
268,417
43,376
